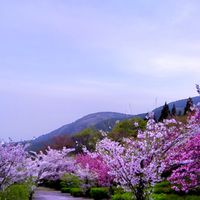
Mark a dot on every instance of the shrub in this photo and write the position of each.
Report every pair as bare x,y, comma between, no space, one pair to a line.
52,184
163,191
99,193
159,196
65,190
163,187
70,181
124,196
192,197
76,192
16,192
117,190
174,197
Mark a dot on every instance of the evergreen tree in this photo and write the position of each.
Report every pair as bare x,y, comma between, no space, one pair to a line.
188,106
174,110
165,113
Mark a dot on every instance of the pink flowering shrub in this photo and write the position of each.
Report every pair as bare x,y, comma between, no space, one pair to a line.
187,156
97,166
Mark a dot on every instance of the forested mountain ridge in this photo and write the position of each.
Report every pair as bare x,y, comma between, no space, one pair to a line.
101,121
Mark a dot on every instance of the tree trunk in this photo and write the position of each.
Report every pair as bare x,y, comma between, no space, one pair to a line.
139,192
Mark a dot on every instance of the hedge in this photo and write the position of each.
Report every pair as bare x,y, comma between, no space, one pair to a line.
16,192
76,192
99,193
124,196
70,181
65,190
174,197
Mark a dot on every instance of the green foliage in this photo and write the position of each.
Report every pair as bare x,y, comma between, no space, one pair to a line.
124,196
65,190
163,187
174,197
188,106
165,113
76,192
127,128
99,193
16,192
174,110
117,190
70,181
88,138
163,191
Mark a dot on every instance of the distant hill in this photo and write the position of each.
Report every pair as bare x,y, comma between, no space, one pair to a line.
101,121
180,106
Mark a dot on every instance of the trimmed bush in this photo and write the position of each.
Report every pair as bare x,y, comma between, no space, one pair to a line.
124,196
117,190
65,190
16,192
70,181
76,192
99,193
174,197
163,187
163,191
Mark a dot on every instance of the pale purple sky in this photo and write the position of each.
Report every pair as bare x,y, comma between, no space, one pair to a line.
63,59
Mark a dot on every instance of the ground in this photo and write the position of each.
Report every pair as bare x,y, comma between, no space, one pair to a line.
42,193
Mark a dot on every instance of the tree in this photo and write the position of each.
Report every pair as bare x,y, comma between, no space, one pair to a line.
62,141
50,165
174,110
127,128
12,164
97,166
165,113
188,106
137,164
198,88
86,138
187,156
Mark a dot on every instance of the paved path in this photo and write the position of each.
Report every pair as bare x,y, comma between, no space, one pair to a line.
42,193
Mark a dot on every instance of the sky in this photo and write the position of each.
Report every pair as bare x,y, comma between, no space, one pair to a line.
63,59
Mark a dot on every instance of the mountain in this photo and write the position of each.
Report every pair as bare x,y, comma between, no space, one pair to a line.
101,121
180,106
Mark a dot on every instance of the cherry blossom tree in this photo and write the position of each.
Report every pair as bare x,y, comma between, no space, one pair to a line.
137,164
12,164
88,176
50,165
97,166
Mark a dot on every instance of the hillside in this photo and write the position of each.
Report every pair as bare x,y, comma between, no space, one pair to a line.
180,105
101,121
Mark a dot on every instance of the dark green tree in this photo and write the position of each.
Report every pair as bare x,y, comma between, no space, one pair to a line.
86,138
188,106
174,110
165,113
127,128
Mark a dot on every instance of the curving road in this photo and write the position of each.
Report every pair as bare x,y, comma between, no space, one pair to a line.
42,193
